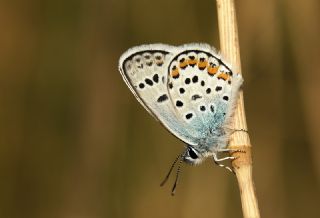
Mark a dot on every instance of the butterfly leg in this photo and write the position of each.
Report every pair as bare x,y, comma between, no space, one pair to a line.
217,160
238,130
241,130
223,159
230,150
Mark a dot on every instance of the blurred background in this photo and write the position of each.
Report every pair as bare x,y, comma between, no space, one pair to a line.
74,142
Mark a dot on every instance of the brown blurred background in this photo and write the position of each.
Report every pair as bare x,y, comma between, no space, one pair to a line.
75,143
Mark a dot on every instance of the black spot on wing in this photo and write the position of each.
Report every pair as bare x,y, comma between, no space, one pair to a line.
162,98
212,108
195,97
141,85
158,57
179,103
155,78
189,116
226,98
149,82
218,88
195,79
147,56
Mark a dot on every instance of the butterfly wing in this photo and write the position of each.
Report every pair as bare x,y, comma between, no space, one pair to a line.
203,89
144,69
189,89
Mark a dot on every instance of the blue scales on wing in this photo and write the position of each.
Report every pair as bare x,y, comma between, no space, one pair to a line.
204,90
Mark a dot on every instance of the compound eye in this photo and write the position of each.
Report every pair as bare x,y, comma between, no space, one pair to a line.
193,154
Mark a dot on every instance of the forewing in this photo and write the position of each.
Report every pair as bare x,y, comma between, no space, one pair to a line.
144,69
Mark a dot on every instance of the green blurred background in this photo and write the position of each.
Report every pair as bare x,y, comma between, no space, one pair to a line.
75,143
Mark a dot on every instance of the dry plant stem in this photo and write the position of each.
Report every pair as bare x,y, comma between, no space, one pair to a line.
239,140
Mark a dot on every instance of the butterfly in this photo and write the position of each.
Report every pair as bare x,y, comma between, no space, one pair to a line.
191,90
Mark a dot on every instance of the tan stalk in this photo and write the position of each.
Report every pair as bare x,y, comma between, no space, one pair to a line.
229,45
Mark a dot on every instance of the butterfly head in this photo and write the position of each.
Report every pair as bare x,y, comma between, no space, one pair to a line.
193,156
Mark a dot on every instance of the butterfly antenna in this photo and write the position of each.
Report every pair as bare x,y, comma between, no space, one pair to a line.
171,168
177,177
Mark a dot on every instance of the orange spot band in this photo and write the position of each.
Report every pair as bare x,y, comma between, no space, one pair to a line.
183,64
212,70
175,73
202,64
223,76
192,62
